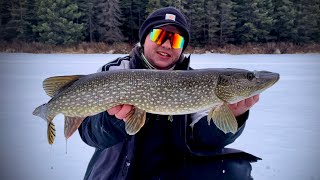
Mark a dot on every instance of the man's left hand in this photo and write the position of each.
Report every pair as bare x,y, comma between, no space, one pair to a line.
244,105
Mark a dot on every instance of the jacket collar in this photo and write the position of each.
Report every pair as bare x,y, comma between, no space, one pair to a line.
137,61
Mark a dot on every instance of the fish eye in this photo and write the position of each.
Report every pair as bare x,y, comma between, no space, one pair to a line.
250,76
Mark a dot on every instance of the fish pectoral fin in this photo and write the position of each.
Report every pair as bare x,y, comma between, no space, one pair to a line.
51,132
71,124
223,118
135,121
52,85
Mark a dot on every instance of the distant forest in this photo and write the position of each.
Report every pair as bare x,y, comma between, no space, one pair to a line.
212,22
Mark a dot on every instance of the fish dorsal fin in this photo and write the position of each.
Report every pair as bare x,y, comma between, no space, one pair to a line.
52,85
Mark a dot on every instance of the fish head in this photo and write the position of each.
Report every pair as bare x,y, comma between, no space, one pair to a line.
234,85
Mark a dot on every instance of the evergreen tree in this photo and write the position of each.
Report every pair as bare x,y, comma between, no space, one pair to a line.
198,22
32,19
184,7
57,22
134,13
284,15
313,8
19,25
266,21
140,10
109,19
226,22
178,4
306,21
212,25
5,17
317,34
215,22
87,8
249,21
153,5
245,29
129,26
166,3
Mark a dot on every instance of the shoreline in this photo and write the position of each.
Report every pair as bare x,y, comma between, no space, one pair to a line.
125,48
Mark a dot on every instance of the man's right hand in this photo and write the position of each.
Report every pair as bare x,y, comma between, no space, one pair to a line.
120,111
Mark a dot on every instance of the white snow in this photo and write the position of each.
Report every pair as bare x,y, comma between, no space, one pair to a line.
282,128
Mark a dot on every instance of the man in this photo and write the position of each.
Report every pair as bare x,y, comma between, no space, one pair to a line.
163,149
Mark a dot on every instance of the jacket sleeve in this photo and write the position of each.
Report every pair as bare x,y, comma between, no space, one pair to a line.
102,130
209,137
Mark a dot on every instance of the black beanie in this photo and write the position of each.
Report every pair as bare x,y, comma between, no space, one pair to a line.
165,16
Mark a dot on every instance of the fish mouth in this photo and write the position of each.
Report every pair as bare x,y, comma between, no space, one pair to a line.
266,79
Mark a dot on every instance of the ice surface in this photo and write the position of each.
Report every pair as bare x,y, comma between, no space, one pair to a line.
282,129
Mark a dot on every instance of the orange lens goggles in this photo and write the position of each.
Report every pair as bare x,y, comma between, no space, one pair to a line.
159,36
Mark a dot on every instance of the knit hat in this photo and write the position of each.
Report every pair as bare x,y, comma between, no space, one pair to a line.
165,16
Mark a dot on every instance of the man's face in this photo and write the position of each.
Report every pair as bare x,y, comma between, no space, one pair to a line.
162,56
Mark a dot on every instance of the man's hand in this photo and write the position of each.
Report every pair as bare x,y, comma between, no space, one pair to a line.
120,111
244,105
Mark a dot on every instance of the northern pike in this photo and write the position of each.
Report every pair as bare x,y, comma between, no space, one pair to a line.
162,92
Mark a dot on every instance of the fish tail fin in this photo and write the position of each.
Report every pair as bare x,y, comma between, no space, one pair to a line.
41,111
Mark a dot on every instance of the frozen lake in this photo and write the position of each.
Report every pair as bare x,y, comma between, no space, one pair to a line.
282,128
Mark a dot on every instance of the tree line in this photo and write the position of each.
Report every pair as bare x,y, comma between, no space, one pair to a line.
212,22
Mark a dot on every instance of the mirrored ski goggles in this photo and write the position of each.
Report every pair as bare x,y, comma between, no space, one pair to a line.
159,36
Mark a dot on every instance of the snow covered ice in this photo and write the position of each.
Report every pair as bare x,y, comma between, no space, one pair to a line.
282,128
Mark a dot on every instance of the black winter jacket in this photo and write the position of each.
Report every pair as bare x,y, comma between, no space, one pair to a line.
162,149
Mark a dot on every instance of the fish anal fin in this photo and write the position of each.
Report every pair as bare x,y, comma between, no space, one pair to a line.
71,124
52,85
223,118
51,132
135,120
